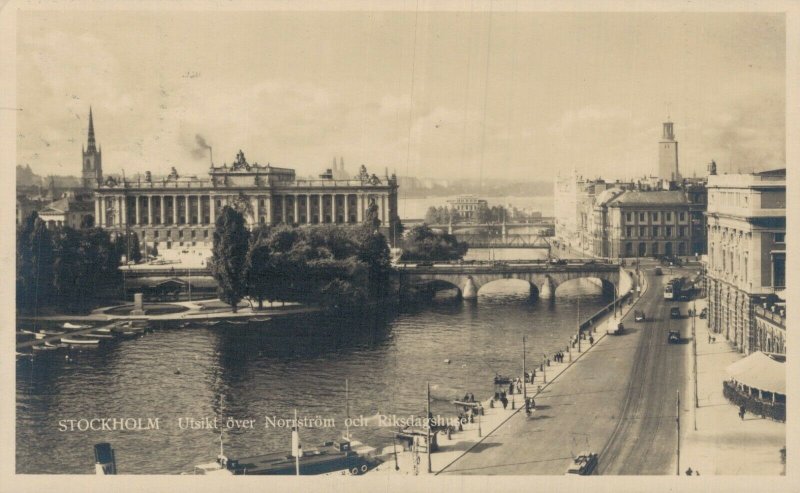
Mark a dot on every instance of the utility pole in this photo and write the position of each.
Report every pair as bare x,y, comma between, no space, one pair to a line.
524,377
694,347
429,427
579,325
678,422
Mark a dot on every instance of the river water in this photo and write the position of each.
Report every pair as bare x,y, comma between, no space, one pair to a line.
273,369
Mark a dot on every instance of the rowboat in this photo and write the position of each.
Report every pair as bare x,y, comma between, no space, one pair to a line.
77,341
55,345
98,335
68,325
102,330
237,322
261,319
43,347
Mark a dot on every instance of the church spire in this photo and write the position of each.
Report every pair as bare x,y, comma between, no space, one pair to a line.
91,145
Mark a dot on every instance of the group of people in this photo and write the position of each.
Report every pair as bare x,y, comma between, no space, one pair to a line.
559,357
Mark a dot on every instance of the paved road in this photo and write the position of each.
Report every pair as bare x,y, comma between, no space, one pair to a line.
619,399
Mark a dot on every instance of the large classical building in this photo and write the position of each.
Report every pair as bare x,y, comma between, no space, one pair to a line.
175,212
468,207
746,251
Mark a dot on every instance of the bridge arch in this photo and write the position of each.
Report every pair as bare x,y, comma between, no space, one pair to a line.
532,288
606,286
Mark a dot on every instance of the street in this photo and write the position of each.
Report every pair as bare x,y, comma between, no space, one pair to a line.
618,400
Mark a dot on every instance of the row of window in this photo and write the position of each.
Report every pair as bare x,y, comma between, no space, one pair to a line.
654,216
642,250
656,231
157,234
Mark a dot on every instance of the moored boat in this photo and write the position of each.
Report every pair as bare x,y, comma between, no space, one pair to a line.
79,341
68,325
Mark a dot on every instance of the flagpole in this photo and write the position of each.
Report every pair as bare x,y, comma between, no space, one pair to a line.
429,427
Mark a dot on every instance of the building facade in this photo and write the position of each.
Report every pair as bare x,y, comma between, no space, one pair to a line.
176,212
770,327
746,251
468,207
73,210
648,224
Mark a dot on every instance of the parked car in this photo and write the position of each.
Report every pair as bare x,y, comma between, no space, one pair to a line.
584,464
619,330
638,316
674,337
704,313
658,271
674,312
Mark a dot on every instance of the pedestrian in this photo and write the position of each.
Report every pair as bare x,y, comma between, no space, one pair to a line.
741,412
709,338
504,401
689,472
511,389
591,340
548,361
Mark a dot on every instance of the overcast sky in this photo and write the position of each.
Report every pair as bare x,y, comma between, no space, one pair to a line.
518,95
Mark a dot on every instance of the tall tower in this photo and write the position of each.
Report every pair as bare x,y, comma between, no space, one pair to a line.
92,171
668,154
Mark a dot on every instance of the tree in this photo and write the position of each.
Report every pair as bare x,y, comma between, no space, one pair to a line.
422,243
371,218
258,268
432,216
229,255
34,263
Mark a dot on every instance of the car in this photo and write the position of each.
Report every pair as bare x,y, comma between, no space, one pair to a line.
674,337
704,313
638,316
674,312
619,330
584,464
658,271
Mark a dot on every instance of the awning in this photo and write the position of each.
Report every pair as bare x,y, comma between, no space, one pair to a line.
761,372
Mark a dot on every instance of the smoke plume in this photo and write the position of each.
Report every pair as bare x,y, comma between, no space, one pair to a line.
199,151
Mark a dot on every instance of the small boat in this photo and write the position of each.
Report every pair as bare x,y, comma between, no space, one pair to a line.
43,347
102,330
98,335
69,325
237,322
55,345
47,333
261,319
76,341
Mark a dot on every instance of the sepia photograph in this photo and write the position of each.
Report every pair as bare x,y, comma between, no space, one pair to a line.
411,241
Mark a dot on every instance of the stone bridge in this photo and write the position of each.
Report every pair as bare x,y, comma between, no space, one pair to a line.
544,278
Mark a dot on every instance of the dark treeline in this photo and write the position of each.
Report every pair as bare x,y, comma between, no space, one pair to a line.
342,267
422,243
64,268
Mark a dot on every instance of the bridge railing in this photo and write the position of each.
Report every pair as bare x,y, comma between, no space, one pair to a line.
576,261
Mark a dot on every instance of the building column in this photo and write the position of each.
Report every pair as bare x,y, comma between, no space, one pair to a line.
199,209
360,212
308,208
283,209
98,220
383,210
346,208
212,204
333,208
149,210
124,210
188,219
138,219
296,209
268,209
175,210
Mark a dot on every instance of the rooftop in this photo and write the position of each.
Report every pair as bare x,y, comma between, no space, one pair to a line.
672,197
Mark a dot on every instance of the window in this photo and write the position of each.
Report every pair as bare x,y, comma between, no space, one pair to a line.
654,216
778,272
682,216
681,231
628,249
641,216
655,230
668,231
180,234
629,231
261,202
193,233
668,216
155,234
654,249
780,237
642,231
205,233
169,234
